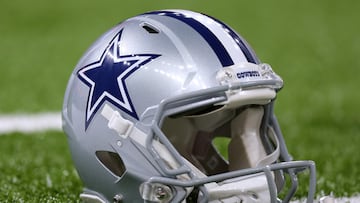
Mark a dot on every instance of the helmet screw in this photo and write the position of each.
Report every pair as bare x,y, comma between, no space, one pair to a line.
160,193
228,74
117,198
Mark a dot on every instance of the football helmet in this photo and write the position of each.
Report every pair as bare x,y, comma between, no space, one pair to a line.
148,103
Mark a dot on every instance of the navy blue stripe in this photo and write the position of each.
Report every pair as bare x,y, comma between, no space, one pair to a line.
211,39
249,54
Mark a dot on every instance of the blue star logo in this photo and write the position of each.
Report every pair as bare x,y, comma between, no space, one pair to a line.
106,79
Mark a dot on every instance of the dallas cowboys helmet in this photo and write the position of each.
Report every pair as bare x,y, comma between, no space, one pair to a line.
149,100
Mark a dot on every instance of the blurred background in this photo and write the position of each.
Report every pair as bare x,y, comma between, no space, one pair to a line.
313,45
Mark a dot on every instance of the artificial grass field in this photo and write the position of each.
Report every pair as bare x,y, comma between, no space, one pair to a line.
313,45
37,168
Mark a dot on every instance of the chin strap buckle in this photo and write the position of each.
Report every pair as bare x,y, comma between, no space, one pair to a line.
116,122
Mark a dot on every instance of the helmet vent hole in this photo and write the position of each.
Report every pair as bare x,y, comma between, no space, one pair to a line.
112,162
150,29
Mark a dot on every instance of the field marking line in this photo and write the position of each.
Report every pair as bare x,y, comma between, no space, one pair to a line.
29,123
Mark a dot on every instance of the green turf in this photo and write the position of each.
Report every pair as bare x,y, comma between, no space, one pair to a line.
37,168
313,45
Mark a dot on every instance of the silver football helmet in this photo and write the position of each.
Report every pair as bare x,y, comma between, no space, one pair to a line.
149,100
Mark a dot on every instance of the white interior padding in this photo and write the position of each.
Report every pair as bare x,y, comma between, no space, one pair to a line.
246,148
259,96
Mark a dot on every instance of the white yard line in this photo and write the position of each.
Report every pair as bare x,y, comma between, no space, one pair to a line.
28,123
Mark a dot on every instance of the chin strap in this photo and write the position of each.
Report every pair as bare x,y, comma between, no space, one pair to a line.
116,122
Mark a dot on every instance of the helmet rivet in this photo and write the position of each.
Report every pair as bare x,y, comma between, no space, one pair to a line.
119,143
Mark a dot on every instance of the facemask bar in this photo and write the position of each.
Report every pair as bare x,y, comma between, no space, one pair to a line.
285,156
300,165
209,97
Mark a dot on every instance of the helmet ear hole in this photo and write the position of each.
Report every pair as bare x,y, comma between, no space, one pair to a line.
112,162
